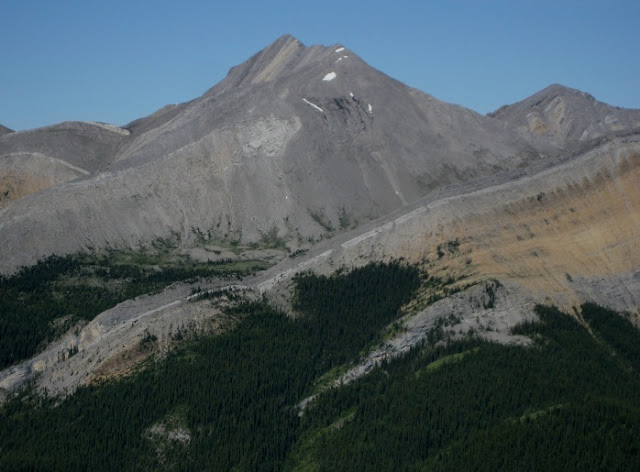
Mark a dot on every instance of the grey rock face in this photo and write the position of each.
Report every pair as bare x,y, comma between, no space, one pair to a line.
568,116
303,141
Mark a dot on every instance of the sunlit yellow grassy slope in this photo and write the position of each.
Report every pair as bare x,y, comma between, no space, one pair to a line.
587,226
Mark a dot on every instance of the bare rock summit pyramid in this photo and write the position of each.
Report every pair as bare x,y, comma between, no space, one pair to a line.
298,143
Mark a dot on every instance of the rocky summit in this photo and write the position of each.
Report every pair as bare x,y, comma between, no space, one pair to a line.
568,117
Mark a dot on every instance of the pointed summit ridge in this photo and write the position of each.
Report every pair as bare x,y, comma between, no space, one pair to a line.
282,58
272,60
292,132
264,66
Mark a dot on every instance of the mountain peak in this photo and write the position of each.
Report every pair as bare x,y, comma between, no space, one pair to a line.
4,130
559,90
284,40
567,115
265,65
285,56
540,98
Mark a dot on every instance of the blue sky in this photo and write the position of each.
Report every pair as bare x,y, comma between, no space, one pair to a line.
117,61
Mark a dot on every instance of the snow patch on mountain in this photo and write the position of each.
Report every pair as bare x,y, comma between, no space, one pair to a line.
313,105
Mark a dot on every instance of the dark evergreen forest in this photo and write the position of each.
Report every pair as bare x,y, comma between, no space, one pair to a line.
43,301
569,402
